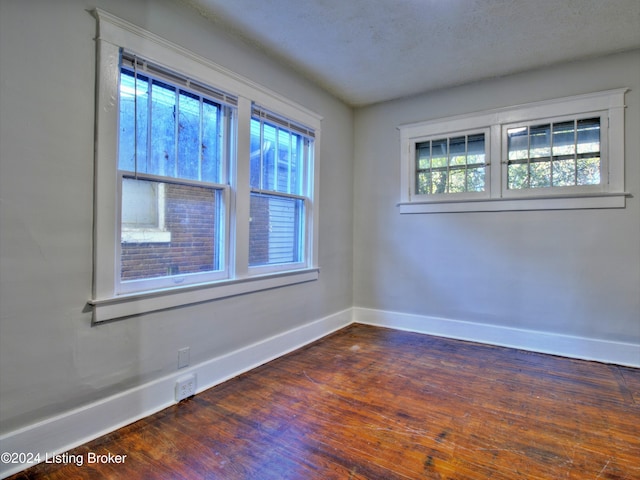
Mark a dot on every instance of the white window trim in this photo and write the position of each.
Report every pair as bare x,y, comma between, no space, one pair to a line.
114,34
609,194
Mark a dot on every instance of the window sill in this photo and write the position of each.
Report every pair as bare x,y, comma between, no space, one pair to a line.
144,302
586,201
145,236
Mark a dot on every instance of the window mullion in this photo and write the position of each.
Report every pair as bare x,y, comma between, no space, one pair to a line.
242,186
176,129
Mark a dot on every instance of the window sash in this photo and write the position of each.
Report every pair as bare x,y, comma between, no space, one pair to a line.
194,244
450,165
146,149
539,160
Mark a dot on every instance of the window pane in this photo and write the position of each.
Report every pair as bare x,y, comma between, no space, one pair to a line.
212,134
564,173
140,201
439,153
189,136
518,175
475,149
540,174
163,131
589,135
133,107
540,141
194,218
476,179
277,156
276,230
269,157
257,146
423,182
589,171
423,155
564,138
457,151
438,182
518,143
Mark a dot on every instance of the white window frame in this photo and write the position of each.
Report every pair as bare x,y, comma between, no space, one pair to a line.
608,105
113,35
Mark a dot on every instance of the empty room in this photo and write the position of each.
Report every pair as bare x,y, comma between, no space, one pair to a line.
364,239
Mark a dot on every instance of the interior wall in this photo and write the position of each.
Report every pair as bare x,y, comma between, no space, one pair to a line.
51,358
573,272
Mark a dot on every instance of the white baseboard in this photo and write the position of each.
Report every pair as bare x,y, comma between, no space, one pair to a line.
59,434
618,353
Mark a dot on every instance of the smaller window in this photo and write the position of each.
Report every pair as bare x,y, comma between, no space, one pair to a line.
555,155
451,165
565,153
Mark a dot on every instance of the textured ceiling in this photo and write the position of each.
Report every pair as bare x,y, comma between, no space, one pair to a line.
367,51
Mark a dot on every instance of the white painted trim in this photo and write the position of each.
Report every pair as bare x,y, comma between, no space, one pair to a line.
70,429
619,353
123,306
566,202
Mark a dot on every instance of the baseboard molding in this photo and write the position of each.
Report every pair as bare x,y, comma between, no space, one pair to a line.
59,434
618,353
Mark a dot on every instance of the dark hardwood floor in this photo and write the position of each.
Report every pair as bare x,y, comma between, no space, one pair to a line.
375,403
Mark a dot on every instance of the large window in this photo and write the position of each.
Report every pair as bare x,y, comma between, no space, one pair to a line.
560,154
205,183
173,157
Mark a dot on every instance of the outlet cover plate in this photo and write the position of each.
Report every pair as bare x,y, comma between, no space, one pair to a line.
185,387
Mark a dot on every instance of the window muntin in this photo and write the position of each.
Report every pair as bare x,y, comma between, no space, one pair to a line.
172,171
451,165
554,154
280,160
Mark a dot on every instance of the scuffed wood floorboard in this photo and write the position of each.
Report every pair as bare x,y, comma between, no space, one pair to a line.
374,403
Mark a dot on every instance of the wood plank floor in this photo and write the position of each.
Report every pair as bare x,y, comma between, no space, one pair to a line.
374,403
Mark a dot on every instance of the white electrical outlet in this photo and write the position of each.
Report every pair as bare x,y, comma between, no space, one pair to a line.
185,387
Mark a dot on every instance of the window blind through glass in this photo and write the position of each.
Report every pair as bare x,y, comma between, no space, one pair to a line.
142,65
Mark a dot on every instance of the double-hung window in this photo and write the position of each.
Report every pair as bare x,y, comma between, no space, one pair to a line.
559,154
174,140
280,154
205,182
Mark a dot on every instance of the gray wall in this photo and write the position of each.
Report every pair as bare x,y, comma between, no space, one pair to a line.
51,359
568,272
